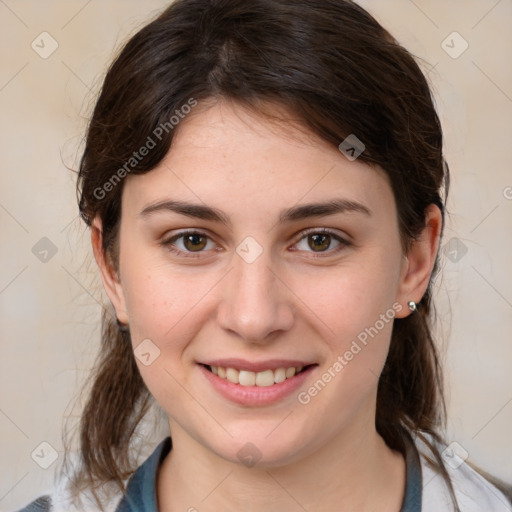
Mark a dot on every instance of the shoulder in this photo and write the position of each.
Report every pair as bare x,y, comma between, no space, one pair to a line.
41,504
139,484
60,499
473,492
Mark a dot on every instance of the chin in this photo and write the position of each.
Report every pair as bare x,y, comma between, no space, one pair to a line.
259,451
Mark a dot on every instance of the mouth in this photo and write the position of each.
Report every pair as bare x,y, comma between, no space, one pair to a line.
263,378
256,388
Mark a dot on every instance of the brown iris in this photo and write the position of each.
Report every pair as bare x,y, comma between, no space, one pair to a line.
194,242
319,241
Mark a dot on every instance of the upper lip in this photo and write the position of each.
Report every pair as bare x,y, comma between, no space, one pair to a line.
252,366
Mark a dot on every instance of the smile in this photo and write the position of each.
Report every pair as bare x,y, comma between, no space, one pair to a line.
256,388
263,378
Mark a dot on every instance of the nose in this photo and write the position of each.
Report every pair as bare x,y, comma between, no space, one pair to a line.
256,303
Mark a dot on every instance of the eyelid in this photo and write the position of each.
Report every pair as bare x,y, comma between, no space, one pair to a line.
325,231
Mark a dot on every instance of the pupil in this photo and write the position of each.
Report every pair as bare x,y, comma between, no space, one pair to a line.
195,241
320,241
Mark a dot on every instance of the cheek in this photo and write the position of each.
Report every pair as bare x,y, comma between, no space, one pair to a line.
355,314
157,294
349,298
160,304
165,307
352,309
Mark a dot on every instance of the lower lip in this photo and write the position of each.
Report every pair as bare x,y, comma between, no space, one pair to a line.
256,395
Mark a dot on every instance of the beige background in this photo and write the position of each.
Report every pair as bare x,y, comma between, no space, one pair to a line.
50,310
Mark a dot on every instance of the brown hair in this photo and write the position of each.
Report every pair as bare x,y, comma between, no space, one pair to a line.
334,67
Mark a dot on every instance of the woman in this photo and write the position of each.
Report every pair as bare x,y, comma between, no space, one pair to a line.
265,186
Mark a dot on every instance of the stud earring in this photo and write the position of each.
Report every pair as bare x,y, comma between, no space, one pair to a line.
412,306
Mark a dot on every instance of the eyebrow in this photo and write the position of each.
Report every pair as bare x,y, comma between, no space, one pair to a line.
294,213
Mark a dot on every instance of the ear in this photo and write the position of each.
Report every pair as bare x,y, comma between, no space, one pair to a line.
419,261
109,276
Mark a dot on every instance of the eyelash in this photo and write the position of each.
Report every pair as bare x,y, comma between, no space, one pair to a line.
169,243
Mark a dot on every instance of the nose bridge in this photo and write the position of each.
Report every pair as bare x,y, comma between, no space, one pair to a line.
255,303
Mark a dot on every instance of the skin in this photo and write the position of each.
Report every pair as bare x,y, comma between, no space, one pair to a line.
291,302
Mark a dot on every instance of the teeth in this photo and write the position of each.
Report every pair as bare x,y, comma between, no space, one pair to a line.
262,379
265,378
246,378
279,375
232,375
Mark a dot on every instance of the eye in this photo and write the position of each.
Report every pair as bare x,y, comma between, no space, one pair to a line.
318,241
188,242
321,241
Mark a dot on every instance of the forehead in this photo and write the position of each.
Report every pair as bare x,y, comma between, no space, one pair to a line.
229,157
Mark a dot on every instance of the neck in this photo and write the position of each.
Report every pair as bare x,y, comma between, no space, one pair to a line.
355,471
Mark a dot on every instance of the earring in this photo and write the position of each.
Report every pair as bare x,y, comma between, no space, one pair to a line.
412,306
122,327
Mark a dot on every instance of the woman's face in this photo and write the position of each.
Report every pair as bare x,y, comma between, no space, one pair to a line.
263,280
